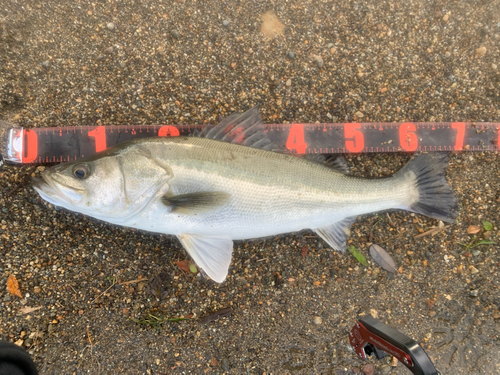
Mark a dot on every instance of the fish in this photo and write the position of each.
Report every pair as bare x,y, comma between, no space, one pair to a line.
230,182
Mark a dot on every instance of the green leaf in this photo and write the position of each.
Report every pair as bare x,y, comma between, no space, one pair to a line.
487,225
483,242
192,268
357,254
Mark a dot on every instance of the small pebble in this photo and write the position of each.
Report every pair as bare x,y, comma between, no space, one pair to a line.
493,66
317,320
481,51
476,252
473,270
175,34
110,26
368,369
225,23
288,83
45,64
474,293
384,370
225,364
291,55
446,17
318,60
359,114
108,50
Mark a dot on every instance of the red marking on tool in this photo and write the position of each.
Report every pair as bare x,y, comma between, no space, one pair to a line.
407,137
354,137
99,135
30,146
168,131
295,140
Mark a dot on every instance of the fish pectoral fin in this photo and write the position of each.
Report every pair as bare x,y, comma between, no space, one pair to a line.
336,234
194,203
212,254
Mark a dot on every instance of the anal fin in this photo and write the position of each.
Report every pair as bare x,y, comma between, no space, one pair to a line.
212,254
336,234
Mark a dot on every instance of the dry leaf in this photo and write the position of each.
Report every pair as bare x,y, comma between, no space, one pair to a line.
271,25
183,265
473,229
382,258
13,286
27,309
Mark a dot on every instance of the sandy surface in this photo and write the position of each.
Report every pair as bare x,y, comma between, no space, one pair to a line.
65,63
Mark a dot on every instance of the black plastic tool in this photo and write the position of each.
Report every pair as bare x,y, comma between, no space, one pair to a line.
370,336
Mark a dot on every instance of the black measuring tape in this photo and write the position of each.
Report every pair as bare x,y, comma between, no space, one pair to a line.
46,145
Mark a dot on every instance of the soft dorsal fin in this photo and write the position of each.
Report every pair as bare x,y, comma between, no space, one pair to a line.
246,129
336,163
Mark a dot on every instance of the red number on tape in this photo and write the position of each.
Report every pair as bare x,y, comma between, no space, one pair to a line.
99,135
459,142
296,139
408,139
30,151
354,140
168,131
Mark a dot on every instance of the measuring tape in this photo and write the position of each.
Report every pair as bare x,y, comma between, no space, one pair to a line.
46,145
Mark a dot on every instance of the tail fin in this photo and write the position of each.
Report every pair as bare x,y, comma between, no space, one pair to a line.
435,197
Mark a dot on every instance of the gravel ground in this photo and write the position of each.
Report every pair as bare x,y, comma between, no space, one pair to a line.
65,63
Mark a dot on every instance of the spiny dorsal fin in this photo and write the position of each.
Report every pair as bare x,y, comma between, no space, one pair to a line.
245,129
336,163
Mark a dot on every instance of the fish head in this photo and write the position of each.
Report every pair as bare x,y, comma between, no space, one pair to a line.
110,188
84,186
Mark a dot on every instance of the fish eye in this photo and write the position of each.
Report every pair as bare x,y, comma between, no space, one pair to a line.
81,171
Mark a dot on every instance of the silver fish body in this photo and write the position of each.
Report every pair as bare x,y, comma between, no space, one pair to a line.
208,192
268,193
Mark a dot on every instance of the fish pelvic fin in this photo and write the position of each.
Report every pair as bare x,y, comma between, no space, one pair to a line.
336,234
433,195
212,254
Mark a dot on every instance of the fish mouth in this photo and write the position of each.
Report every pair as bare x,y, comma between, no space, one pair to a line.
56,192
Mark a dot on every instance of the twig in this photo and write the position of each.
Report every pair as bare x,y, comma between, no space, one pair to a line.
393,238
432,231
131,281
216,315
390,220
114,283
